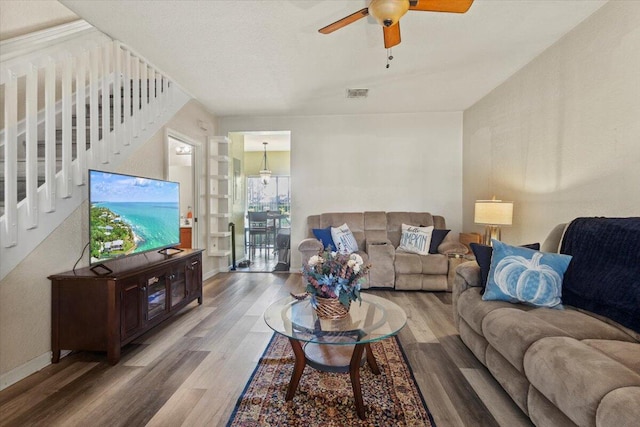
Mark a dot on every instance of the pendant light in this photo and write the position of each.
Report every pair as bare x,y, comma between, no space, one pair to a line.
265,173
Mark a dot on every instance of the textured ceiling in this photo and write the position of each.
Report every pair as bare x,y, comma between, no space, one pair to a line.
266,57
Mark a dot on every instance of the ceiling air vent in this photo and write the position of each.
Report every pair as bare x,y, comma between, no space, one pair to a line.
357,93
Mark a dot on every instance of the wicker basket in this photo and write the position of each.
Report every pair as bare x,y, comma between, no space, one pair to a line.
331,308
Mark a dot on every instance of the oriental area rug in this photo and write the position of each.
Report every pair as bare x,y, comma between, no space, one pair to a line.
326,399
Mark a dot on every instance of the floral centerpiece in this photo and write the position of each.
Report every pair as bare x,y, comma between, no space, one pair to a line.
334,276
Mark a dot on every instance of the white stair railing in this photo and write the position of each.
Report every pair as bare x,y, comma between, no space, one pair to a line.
125,95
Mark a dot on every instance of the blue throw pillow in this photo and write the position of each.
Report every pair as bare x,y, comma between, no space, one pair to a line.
483,258
324,235
436,238
523,275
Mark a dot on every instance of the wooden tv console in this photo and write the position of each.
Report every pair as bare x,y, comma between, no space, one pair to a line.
104,312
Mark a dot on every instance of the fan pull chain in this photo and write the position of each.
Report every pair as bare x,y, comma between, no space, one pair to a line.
389,57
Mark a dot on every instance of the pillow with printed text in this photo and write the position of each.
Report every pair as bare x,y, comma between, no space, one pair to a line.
415,239
343,239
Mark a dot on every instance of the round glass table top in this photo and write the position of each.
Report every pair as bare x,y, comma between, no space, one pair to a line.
374,319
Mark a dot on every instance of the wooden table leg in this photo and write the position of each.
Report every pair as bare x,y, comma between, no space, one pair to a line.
371,360
354,372
300,363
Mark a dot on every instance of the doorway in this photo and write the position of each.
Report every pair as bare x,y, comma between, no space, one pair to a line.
180,166
262,207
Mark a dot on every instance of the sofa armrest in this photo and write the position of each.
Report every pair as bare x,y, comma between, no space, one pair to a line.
308,248
452,248
467,276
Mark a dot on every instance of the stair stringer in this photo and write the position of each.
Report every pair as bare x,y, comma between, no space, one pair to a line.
29,239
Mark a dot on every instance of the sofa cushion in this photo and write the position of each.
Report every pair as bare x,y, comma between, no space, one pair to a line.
415,239
434,264
627,353
523,275
515,383
580,325
511,332
324,235
621,407
408,263
473,309
375,227
476,342
544,413
574,376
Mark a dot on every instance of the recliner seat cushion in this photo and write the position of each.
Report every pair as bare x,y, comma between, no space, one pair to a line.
580,325
409,263
619,408
627,353
473,309
574,376
511,332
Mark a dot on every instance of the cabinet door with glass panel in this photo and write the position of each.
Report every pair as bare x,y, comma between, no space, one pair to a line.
178,284
155,291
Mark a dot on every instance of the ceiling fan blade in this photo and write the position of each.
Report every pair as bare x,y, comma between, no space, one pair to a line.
454,6
344,21
391,35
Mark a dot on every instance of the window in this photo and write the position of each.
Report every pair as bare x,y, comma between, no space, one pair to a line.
274,197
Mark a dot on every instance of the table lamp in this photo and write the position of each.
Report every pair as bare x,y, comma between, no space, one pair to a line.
493,214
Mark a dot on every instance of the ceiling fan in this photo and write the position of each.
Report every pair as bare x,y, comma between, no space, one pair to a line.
389,12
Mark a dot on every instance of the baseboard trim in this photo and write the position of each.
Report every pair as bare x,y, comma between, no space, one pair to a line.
209,274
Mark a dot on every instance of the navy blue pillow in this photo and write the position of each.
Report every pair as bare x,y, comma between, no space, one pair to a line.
324,235
483,258
436,238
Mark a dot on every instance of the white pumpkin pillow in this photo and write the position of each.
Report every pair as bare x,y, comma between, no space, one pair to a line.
343,239
415,239
524,275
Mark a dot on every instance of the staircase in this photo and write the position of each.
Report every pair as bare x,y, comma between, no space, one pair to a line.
73,99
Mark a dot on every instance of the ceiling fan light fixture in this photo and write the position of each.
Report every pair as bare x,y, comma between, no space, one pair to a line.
388,12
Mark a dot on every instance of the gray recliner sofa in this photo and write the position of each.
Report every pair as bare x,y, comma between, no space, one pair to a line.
565,367
378,235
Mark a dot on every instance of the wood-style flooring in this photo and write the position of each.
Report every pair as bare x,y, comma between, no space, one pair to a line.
190,370
263,262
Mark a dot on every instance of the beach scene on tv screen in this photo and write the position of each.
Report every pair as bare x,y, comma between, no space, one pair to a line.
130,215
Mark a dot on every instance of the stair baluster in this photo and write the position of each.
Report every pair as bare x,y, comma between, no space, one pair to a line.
108,98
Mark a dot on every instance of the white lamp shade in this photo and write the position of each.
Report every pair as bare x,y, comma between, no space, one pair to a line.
493,212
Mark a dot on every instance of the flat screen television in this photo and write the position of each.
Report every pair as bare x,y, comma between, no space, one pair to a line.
131,214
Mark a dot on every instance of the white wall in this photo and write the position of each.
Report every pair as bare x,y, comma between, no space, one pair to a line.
390,162
20,17
25,293
561,138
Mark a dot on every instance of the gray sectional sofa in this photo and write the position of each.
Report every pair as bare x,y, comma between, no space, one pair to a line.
378,235
567,367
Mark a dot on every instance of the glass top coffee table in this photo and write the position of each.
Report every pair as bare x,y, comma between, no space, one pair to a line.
335,345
